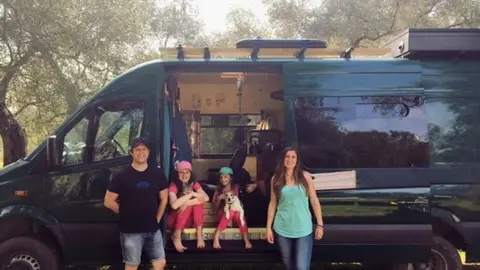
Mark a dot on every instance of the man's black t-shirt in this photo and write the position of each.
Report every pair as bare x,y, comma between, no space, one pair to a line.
138,198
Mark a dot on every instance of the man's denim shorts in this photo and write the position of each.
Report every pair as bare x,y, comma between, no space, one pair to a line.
134,243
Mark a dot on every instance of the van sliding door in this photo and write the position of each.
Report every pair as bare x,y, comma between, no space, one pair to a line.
361,130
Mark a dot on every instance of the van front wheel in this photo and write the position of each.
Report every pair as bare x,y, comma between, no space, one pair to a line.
27,253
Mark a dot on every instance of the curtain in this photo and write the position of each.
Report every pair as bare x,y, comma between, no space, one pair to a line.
195,133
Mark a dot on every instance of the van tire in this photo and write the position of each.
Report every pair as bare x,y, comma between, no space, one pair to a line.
29,251
441,250
444,250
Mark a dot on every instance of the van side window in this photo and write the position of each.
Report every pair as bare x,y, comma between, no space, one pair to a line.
114,124
454,130
362,132
74,144
118,125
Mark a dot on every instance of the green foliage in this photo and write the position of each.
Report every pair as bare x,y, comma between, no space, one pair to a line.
366,22
218,141
55,55
176,21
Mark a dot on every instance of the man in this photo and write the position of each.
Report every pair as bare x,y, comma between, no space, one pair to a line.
142,191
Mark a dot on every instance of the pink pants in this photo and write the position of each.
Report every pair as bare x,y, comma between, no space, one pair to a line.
184,219
235,216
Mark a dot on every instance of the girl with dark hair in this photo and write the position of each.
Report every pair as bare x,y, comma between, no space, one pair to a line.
289,213
187,200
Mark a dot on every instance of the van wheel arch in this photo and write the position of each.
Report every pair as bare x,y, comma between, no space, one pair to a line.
447,231
31,251
13,227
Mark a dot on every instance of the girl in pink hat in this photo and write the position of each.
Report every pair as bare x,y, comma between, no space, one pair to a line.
187,200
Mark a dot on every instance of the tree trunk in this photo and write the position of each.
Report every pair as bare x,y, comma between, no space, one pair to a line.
13,136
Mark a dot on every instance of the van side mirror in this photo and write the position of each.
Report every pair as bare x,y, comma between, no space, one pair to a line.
53,156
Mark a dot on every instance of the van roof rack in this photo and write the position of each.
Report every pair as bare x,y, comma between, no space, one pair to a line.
207,53
281,43
440,43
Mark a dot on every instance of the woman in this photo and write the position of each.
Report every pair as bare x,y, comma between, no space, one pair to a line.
187,200
288,211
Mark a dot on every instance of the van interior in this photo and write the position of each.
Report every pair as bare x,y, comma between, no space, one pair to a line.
231,119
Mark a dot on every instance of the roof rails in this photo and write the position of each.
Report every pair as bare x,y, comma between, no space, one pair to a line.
281,43
289,52
439,43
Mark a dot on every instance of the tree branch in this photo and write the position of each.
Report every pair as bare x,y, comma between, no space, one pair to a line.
70,94
25,106
49,120
105,76
10,72
5,36
389,31
357,41
429,10
462,22
165,43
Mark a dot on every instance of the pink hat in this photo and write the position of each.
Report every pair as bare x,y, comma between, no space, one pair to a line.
181,165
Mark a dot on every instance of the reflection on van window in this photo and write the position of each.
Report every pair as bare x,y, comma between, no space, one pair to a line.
362,132
118,124
117,128
374,110
74,144
454,130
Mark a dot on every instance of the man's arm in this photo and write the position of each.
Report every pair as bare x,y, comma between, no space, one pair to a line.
163,203
163,194
110,201
112,194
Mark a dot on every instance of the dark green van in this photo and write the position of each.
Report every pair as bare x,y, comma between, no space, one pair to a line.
391,136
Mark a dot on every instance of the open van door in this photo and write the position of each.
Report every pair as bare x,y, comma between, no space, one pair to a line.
360,127
166,153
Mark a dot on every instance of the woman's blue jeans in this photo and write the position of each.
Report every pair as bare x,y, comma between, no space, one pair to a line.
296,252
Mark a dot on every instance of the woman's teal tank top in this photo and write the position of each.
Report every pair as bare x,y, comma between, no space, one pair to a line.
293,218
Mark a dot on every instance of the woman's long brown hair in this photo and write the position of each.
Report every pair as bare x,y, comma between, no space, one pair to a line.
279,179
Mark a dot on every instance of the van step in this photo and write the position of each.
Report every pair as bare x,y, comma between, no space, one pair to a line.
227,234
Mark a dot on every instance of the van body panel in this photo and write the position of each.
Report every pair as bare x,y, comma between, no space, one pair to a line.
453,102
381,196
471,233
128,107
388,213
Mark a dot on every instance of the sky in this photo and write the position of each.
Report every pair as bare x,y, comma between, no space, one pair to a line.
214,12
